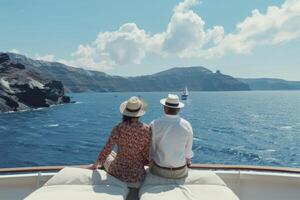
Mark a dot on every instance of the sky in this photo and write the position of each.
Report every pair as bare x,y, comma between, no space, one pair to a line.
249,38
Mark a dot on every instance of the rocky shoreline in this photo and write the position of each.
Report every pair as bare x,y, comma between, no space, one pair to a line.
23,89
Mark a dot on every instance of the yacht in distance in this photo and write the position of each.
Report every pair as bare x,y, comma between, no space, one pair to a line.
185,94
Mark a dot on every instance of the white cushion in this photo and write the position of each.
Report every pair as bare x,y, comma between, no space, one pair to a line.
204,185
78,192
81,184
79,176
188,192
194,177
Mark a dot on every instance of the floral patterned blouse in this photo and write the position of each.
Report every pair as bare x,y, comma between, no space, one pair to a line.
133,142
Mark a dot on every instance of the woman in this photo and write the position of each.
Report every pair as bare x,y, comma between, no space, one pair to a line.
133,140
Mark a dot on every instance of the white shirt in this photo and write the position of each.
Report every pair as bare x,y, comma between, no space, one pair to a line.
172,140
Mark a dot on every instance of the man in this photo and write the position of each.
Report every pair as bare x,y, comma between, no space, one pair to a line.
172,139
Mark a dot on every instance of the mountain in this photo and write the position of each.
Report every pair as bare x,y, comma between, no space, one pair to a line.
175,79
74,79
22,88
195,78
271,84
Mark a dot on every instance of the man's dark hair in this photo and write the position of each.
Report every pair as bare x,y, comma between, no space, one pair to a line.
171,111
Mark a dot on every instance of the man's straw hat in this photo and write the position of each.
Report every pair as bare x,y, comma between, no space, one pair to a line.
172,101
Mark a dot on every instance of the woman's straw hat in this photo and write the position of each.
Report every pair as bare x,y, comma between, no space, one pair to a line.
134,107
172,101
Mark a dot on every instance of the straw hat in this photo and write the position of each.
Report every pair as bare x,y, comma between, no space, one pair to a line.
172,101
134,107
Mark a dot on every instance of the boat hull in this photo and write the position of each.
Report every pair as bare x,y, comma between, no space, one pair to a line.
184,97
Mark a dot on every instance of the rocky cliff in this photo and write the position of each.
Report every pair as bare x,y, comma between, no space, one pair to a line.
21,88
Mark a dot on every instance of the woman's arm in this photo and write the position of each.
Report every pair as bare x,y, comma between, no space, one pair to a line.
106,150
146,150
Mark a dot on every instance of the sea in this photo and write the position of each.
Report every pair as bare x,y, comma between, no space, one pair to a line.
240,128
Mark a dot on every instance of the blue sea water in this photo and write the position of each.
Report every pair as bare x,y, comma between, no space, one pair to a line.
251,128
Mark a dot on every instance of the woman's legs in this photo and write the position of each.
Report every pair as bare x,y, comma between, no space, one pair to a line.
133,194
133,187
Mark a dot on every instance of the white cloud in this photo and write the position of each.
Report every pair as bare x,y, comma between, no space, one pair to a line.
127,45
186,36
14,51
185,5
48,57
86,57
124,46
277,25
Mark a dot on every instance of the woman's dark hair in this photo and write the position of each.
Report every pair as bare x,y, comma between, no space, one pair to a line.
128,119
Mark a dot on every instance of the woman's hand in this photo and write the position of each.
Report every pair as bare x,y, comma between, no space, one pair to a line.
94,166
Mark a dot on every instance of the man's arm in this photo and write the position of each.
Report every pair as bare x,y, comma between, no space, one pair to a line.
152,145
188,149
188,162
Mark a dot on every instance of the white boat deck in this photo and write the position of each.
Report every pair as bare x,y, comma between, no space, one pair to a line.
247,185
